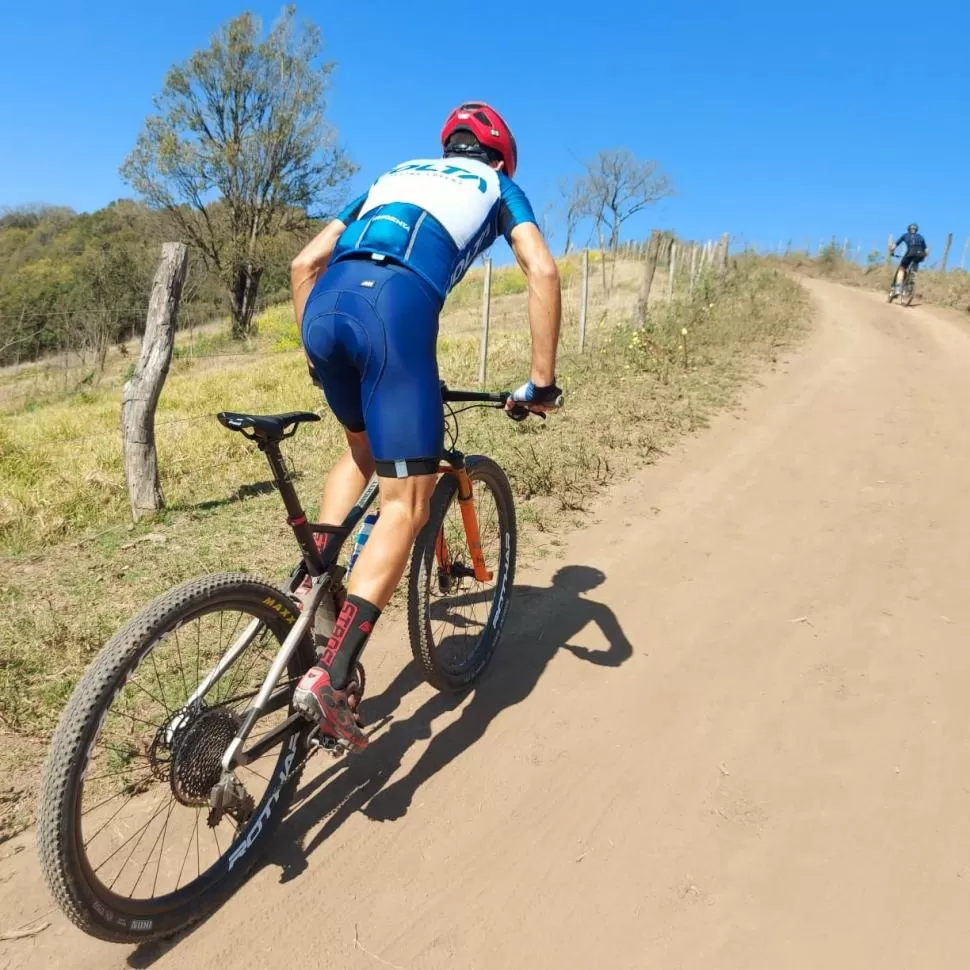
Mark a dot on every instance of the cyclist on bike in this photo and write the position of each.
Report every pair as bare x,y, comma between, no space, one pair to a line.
914,255
367,292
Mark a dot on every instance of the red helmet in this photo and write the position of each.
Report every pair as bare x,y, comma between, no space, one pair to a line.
488,126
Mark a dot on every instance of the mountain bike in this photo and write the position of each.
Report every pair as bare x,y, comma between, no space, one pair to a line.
908,289
180,748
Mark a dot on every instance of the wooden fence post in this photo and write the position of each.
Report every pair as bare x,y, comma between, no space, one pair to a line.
693,269
672,271
583,300
722,254
486,306
140,395
946,252
646,281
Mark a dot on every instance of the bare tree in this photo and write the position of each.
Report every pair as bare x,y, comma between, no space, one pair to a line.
239,148
618,186
575,206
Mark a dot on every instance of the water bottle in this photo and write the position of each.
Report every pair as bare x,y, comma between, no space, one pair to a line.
362,533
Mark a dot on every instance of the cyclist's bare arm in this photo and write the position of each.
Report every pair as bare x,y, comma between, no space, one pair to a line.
310,263
545,300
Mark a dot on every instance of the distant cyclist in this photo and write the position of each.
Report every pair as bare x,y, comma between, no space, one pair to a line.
367,292
914,255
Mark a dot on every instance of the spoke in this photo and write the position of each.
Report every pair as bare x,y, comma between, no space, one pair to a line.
198,850
161,848
111,798
134,849
151,852
198,650
155,815
114,815
134,683
124,752
178,653
232,636
158,680
146,773
257,655
137,720
256,773
188,846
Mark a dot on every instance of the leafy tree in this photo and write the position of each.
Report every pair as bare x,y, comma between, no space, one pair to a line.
239,148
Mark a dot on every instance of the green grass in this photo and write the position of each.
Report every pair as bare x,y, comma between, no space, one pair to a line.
73,568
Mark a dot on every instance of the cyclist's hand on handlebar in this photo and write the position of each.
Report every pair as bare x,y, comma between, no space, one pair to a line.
535,398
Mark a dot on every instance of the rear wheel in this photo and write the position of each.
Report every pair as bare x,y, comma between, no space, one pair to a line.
125,814
455,620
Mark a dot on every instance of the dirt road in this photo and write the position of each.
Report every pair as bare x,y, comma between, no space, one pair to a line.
731,732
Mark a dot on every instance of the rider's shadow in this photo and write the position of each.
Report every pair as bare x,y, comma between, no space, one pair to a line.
541,622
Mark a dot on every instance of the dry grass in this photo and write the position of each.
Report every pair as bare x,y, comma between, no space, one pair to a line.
73,569
951,289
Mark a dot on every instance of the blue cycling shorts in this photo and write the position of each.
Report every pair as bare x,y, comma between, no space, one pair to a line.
370,331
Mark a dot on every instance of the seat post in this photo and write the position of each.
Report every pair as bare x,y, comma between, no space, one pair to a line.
296,517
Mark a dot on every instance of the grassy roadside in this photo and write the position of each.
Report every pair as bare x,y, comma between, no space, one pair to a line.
951,289
72,570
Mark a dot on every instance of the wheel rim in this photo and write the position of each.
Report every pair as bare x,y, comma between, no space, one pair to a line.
461,607
143,829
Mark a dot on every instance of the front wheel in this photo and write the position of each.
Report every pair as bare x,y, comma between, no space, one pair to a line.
125,813
909,291
455,620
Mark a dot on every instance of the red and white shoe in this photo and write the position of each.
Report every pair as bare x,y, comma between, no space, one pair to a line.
333,710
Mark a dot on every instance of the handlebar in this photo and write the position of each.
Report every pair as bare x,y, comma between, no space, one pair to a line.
518,412
482,397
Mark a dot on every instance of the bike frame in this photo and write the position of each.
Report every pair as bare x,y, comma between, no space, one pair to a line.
323,568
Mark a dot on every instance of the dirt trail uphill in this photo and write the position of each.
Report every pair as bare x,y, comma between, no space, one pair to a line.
729,729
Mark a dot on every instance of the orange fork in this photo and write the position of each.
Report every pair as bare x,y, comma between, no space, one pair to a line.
469,518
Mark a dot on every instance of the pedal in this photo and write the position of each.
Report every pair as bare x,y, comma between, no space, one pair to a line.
329,744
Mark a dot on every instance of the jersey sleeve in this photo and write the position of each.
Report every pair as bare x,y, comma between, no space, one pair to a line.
514,208
350,212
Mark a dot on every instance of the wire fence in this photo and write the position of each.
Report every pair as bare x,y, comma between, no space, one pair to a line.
593,295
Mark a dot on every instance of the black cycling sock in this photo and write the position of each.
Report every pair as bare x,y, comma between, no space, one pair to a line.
350,633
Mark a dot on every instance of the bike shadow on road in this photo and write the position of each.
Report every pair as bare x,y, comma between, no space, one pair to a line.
541,623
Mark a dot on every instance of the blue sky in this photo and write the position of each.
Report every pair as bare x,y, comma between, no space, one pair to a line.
776,121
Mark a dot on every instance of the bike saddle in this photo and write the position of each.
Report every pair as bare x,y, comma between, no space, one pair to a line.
266,427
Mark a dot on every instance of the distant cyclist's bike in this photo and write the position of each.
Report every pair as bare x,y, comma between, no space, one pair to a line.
180,749
907,290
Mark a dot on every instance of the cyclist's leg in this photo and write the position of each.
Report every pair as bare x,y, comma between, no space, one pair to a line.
404,415
402,410
906,263
332,344
347,478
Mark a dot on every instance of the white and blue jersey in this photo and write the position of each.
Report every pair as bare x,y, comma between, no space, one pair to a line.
434,216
